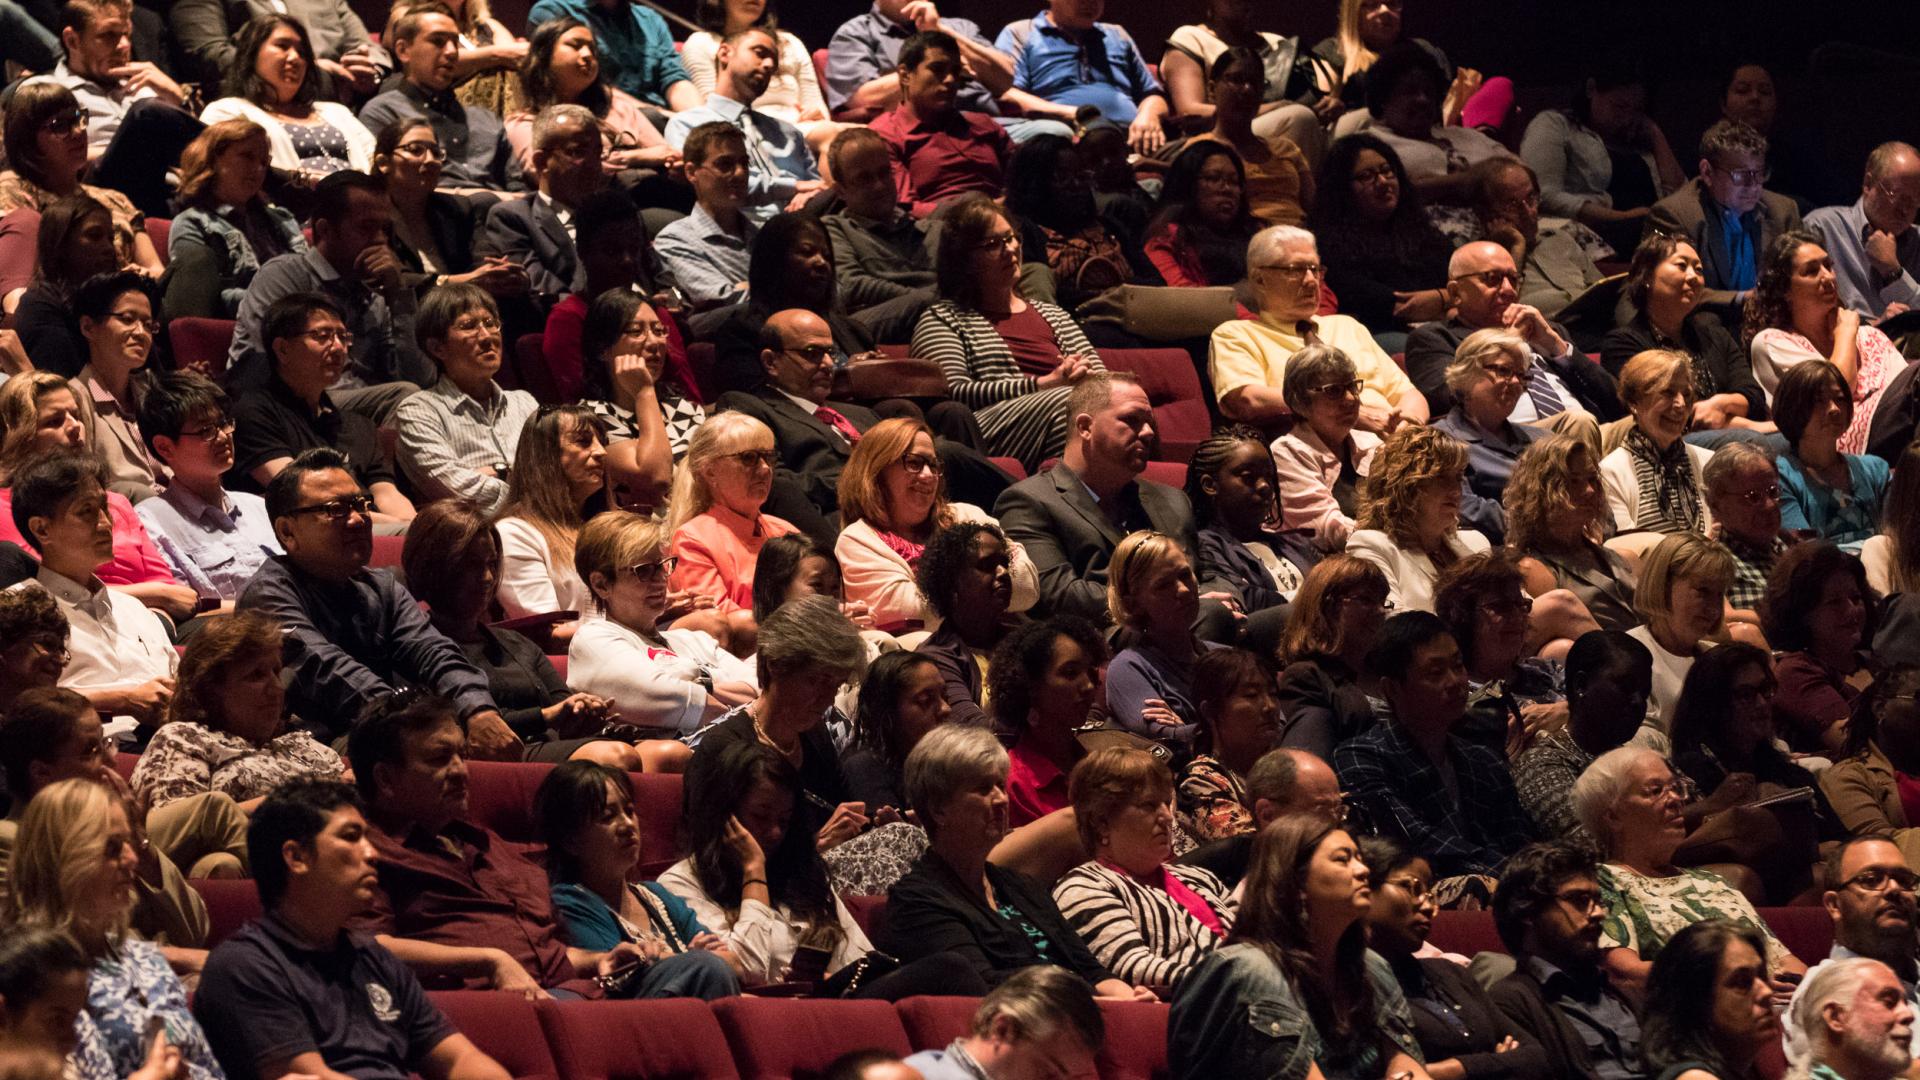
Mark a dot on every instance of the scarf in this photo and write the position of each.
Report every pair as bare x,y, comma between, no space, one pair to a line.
903,547
1669,501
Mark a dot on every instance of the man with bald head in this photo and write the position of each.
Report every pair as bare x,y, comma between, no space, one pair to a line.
1285,780
1875,247
1566,389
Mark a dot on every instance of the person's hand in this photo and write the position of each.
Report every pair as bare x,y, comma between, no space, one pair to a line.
803,193
685,602
1506,1045
888,815
163,1061
1379,419
143,75
358,68
922,14
1072,368
753,862
625,954
662,157
1329,108
138,804
1424,305
13,354
379,267
1846,324
1895,308
506,974
1526,320
1121,990
1709,415
846,822
147,703
1882,252
498,275
579,713
858,614
707,941
1145,135
631,377
490,739
1155,711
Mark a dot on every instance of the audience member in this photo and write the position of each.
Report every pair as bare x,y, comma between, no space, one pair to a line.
937,150
1291,89
781,169
43,991
1727,215
558,480
1820,614
1038,1018
273,75
1239,722
1513,695
1609,676
635,377
1153,598
1743,499
1889,555
1652,478
1869,897
882,254
1555,266
227,226
618,261
1855,1021
561,67
458,436
46,145
538,230
1090,245
210,36
1282,781
489,54
1556,511
1405,93
1231,482
902,697
1279,164
117,318
1410,514
1384,258
966,578
793,94
635,48
706,252
1875,249
1824,494
1368,28
1491,373
1331,626
35,652
433,231
1603,161
863,66
75,242
1056,77
1863,785
715,517
1043,685
1682,600
1324,460
1709,1005
1198,237
1802,169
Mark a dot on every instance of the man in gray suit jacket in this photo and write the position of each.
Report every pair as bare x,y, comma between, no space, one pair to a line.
1726,214
536,230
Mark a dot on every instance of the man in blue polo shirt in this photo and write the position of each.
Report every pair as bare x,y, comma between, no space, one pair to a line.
294,992
1069,58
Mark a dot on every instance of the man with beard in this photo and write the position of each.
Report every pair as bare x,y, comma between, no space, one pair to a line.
1870,898
1857,1021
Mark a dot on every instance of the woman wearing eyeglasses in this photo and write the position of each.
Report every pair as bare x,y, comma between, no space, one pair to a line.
892,500
715,517
1324,460
1385,260
1278,171
459,436
274,82
119,318
1488,376
1513,695
46,145
432,232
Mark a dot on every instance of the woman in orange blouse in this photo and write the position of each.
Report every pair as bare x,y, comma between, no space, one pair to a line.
715,516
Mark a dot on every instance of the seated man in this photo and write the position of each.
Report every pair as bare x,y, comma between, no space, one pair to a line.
214,539
781,172
1250,355
204,33
1414,779
1869,896
455,900
536,230
1064,60
1727,215
1609,677
1874,244
1285,780
706,253
350,264
1040,1014
1566,389
939,151
882,256
458,438
426,42
307,339
1743,501
1548,911
290,992
1854,1022
635,50
1554,266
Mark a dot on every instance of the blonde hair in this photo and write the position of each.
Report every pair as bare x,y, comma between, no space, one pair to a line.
1541,484
615,539
1411,458
20,417
1653,371
1680,556
63,836
862,498
1359,57
1470,359
721,434
1138,557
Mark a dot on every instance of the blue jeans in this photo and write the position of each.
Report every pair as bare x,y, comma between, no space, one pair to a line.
697,974
24,41
1021,128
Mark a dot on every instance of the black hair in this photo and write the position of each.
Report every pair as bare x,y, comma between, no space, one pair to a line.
1530,885
607,319
1802,392
1021,660
1700,714
380,736
1400,61
712,17
1596,652
1609,69
298,811
1211,456
1336,223
174,399
947,556
283,491
917,47
1400,637
877,719
44,485
770,284
601,211
1222,252
853,1064
288,316
571,797
1383,855
334,194
796,875
1677,1020
95,296
777,565
700,139
536,77
243,82
31,957
35,727
1031,175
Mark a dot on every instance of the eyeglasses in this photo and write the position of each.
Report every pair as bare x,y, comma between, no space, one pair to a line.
214,430
1374,175
64,123
753,459
1004,242
468,326
1759,496
1745,177
657,570
1658,791
1501,371
1338,390
921,463
338,509
1584,901
1900,196
1876,878
424,149
1492,279
812,354
324,338
1296,271
1413,887
1509,609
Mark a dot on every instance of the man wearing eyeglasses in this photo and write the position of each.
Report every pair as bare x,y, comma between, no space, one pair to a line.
1743,498
1875,247
1727,214
1870,897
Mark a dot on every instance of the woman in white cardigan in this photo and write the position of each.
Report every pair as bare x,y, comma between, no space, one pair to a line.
274,83
1409,524
892,501
1653,480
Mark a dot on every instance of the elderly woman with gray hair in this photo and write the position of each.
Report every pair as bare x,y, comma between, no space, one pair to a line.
1322,461
957,902
1633,805
1488,375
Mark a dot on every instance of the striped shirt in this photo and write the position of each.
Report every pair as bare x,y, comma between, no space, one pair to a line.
447,438
1018,419
1140,933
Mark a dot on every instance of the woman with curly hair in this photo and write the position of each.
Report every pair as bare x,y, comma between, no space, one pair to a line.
1821,615
966,579
1556,509
561,67
227,227
1794,315
1043,684
1409,523
1384,258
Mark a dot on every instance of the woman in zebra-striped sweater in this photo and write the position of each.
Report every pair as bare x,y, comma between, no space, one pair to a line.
1009,359
1150,921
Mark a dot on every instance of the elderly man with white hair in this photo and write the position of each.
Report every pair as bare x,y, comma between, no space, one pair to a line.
1250,356
1743,498
1852,1021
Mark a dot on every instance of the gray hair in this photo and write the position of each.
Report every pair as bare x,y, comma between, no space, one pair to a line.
1470,359
1037,1000
1314,365
947,761
1731,462
1601,787
1881,159
809,633
1731,137
1266,244
1830,982
1273,776
556,121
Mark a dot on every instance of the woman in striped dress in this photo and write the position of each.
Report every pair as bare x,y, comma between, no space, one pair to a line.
1011,360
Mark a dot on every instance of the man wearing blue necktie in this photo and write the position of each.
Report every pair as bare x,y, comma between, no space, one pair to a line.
782,172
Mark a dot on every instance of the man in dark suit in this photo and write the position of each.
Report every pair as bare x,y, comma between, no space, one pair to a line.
536,230
1727,215
815,436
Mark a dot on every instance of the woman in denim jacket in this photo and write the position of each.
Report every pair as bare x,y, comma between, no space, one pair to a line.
226,228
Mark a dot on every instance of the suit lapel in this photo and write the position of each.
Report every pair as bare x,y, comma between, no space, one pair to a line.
825,430
1074,493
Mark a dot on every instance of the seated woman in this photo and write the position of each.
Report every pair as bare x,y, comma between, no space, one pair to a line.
638,384
791,266
892,502
1239,722
1300,952
1794,315
1513,695
226,728
583,813
1323,461
1665,288
561,67
1198,237
1652,479
1487,377
1710,1012
613,255
794,566
1043,683
274,82
1011,360
966,578
902,697
75,245
1821,615
1050,193
1291,90
1682,598
72,861
226,227
1460,1031
792,95
1824,494
1405,88
1629,801
1883,745
558,481
46,150
1409,523
1368,28
715,517
1384,257
955,901
432,231
1330,630
672,681
1556,510
1145,918
1276,167
1154,598
119,318
1603,161
1892,557
458,436
1231,482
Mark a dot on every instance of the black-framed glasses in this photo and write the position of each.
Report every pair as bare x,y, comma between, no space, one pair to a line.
338,509
753,459
422,148
64,123
1876,879
656,570
325,337
1584,901
1502,371
1003,242
213,430
921,463
1492,279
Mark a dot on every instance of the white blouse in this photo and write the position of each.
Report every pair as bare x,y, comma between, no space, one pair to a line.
1410,574
764,938
530,582
652,687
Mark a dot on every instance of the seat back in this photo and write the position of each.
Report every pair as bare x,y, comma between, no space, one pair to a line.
231,904
501,798
1807,932
1465,932
504,1027
1173,388
1136,1043
666,1039
934,1022
797,1038
200,345
701,357
386,552
530,368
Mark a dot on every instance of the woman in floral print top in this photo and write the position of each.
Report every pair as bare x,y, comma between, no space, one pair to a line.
1239,721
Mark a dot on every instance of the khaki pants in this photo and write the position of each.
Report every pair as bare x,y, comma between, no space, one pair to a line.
1575,422
206,834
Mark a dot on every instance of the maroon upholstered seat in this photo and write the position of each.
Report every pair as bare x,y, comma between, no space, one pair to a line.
668,1039
504,1027
1173,388
501,798
797,1038
200,345
1136,1044
231,904
1465,932
934,1022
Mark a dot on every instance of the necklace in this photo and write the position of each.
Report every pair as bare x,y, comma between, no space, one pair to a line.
791,753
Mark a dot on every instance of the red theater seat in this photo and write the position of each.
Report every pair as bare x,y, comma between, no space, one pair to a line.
1807,932
870,912
934,1022
1465,932
386,551
230,906
530,367
501,798
159,230
505,1027
669,1039
1136,1045
797,1038
200,345
1173,387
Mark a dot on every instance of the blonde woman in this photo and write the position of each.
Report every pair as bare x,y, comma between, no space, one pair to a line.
1368,28
1409,523
1555,511
893,498
715,519
1682,600
73,870
1154,598
1653,479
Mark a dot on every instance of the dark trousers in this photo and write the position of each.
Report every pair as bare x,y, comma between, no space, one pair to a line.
149,141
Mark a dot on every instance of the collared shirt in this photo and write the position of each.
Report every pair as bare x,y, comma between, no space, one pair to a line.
113,639
632,41
1543,777
106,104
1752,564
953,1063
268,995
1035,785
113,432
1254,352
383,345
560,212
868,46
1099,66
276,423
777,153
1307,470
706,261
475,140
1606,1022
935,159
1736,239
447,437
1862,288
214,549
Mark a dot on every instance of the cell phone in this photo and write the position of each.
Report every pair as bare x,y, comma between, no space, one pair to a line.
809,964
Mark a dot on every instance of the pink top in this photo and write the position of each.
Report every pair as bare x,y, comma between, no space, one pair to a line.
1035,786
717,551
135,560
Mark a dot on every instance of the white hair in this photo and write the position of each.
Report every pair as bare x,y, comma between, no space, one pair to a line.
1830,982
1266,244
1470,359
1601,787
